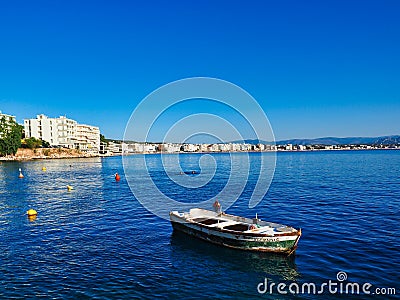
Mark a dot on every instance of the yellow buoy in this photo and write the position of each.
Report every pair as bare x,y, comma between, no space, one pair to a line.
70,188
31,212
44,169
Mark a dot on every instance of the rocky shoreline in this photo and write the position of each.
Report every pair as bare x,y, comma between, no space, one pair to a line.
46,153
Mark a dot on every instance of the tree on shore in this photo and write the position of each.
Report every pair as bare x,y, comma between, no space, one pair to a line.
10,137
45,144
103,139
32,143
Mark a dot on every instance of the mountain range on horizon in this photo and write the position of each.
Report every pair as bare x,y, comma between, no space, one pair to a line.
381,140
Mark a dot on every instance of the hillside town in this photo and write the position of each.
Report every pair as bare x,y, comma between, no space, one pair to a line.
65,133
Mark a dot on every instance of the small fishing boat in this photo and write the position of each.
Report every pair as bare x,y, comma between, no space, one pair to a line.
236,232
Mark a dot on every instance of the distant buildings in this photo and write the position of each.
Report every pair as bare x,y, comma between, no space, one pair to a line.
63,132
190,148
118,148
170,148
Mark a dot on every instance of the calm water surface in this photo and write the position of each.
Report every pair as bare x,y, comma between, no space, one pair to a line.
97,241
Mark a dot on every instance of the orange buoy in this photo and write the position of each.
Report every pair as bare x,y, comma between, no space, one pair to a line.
20,174
117,177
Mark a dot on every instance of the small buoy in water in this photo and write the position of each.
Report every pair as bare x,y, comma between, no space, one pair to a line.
20,174
31,212
117,177
70,188
44,169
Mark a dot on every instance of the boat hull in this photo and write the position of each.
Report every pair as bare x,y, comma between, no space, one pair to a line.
281,244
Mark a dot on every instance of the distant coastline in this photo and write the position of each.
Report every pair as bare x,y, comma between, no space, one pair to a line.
117,147
129,147
27,154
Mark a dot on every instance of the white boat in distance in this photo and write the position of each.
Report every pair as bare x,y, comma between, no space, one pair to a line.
236,232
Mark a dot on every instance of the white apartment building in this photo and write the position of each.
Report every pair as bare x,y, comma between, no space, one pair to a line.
190,147
235,147
137,147
42,128
213,148
203,148
170,148
8,118
149,148
67,132
245,147
87,138
63,132
114,147
224,147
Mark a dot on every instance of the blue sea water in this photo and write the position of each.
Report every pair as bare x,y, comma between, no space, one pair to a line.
98,242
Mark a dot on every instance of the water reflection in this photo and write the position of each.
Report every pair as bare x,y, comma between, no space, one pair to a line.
32,218
186,249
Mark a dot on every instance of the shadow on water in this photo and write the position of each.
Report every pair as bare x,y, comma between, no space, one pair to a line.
185,248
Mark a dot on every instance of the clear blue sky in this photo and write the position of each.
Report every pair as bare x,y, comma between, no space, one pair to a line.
317,68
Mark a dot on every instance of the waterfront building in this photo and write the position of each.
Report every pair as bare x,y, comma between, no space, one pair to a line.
138,147
87,138
203,148
114,147
190,148
170,147
223,147
245,147
43,128
124,148
130,148
149,148
213,148
289,147
235,147
67,132
8,118
63,132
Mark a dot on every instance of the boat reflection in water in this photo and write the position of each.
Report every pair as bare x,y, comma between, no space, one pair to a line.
187,250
